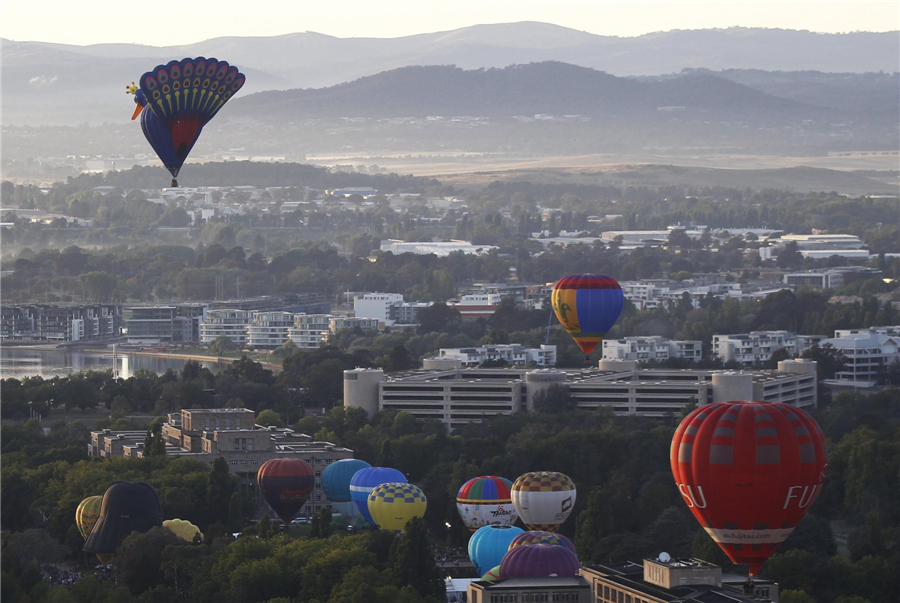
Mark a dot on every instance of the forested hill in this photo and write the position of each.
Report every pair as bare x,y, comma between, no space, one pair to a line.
537,88
240,173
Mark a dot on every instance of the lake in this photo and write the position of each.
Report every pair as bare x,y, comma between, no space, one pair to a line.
18,362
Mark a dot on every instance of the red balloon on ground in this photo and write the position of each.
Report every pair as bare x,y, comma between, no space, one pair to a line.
286,484
749,472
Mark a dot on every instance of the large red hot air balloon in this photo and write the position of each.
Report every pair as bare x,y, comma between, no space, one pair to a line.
286,484
749,472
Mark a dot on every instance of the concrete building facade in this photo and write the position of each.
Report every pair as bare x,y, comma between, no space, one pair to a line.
645,349
750,348
225,322
268,330
45,322
206,434
454,395
176,323
514,354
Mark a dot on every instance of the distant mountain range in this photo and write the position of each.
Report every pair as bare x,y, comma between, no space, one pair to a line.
548,88
63,84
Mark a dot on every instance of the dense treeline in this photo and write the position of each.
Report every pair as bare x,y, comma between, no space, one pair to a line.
628,506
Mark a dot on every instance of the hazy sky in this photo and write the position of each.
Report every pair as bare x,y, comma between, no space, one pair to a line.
164,22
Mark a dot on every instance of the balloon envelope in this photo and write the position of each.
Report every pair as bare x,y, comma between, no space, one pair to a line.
538,561
87,514
489,544
492,574
485,500
183,529
748,471
286,485
336,484
543,499
392,505
587,306
540,537
181,97
365,480
127,507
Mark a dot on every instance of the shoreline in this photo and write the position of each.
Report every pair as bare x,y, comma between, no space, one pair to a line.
216,359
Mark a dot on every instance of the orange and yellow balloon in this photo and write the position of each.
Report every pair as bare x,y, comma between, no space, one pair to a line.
587,306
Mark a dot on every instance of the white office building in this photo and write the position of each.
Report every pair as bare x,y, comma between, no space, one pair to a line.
377,306
753,347
269,330
867,353
310,331
644,349
514,354
225,323
438,248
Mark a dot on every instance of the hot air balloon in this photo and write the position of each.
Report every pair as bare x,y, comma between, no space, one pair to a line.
127,507
286,484
543,499
176,100
393,504
336,484
365,480
492,574
587,306
485,500
183,529
489,544
749,472
538,537
86,515
539,561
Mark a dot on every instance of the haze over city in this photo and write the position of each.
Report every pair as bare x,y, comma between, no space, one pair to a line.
450,302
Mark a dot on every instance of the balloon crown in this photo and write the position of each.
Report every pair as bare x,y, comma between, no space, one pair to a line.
132,89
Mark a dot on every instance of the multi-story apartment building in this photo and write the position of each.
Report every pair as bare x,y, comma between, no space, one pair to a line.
750,348
310,331
645,349
445,391
514,354
867,354
339,323
176,323
205,434
42,322
226,322
269,330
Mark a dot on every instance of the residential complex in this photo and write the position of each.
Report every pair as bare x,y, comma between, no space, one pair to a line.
310,331
387,308
269,330
645,349
176,323
514,354
59,324
226,322
867,354
754,347
454,395
205,434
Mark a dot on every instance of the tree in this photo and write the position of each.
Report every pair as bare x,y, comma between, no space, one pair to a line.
138,558
120,408
412,561
269,418
321,526
436,318
554,399
399,360
154,445
671,532
222,345
219,488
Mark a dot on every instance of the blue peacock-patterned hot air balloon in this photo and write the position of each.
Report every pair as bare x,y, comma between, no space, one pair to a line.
176,100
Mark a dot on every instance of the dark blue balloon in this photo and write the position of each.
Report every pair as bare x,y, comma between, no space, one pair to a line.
179,99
